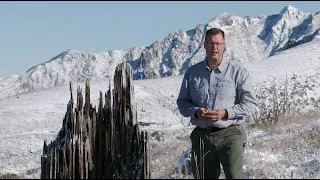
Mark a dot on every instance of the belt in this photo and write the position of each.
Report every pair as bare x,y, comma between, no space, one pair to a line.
212,129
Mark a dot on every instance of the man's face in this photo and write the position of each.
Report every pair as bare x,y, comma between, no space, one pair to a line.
214,45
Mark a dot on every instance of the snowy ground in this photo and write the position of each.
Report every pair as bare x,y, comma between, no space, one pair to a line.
287,149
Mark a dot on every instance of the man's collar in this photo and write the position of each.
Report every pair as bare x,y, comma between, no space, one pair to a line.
223,65
205,65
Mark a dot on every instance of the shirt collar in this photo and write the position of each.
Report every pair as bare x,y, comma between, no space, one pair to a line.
223,65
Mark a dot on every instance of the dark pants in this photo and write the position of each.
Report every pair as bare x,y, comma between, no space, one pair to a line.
210,149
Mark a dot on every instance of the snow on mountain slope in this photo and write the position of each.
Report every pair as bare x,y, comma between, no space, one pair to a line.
29,118
70,66
301,60
248,39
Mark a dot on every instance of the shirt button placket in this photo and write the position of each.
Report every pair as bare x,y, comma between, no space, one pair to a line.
211,90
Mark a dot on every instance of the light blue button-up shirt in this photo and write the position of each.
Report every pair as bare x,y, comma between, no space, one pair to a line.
227,86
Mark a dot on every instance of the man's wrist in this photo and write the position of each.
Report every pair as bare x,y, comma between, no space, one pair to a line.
196,114
226,114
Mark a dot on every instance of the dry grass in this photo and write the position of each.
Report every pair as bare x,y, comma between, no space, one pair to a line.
296,118
10,176
287,143
165,156
283,120
289,132
296,127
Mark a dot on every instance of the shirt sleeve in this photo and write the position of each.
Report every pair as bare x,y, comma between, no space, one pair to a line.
184,102
246,103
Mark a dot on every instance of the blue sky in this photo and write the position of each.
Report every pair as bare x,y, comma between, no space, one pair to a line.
33,32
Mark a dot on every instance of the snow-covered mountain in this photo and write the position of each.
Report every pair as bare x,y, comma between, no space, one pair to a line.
248,39
30,118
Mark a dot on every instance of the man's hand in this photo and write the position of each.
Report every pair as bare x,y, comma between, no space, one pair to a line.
201,113
215,115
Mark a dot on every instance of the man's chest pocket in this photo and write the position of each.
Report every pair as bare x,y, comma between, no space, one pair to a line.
226,90
198,91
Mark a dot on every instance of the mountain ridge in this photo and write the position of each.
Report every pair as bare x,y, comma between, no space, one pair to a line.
247,39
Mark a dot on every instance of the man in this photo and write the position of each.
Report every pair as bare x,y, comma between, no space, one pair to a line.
218,96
